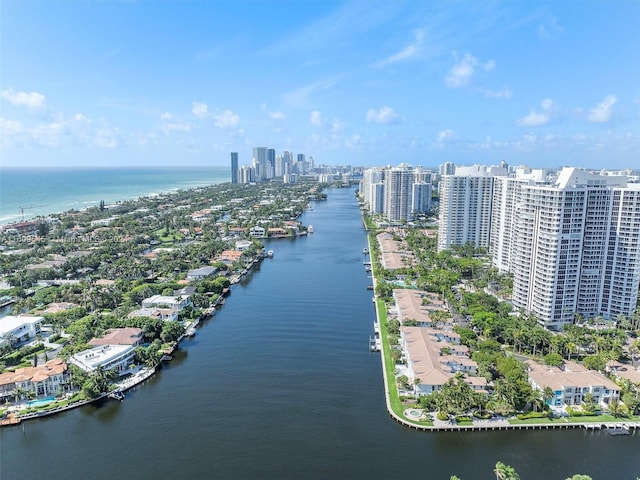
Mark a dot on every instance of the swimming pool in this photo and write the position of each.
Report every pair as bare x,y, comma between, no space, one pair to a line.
41,402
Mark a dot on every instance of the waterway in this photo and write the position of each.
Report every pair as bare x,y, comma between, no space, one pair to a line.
280,384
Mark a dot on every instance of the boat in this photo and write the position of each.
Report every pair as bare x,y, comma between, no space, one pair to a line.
270,254
310,229
191,331
117,395
365,251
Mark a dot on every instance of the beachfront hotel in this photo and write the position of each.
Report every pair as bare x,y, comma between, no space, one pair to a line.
570,241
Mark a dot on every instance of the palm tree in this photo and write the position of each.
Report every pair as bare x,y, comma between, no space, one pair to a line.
547,395
505,472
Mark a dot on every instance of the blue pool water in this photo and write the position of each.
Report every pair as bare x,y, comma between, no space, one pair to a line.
40,402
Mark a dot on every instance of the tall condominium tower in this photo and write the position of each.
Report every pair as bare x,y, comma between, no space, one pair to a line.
234,167
574,247
398,192
465,210
447,168
371,177
271,163
261,163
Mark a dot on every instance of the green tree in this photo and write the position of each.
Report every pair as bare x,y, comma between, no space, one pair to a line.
553,360
505,472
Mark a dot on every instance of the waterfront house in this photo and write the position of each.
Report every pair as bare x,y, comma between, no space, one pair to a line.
202,272
20,328
395,253
257,232
57,307
119,336
164,301
416,305
108,357
242,245
48,379
434,356
166,314
571,383
277,232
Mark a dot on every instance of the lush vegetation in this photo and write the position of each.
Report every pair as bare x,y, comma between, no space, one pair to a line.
105,260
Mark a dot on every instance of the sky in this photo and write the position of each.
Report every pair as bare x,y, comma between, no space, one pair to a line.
364,83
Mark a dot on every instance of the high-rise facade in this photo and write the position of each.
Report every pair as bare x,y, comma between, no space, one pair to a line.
575,248
398,192
465,210
234,167
261,162
572,243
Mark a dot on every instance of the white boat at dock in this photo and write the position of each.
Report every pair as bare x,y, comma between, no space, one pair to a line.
270,254
310,229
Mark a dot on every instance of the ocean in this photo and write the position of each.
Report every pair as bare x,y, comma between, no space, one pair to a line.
27,193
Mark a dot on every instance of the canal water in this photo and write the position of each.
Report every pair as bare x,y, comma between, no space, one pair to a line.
280,384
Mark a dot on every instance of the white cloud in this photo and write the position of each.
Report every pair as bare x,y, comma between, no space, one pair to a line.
445,135
504,92
106,138
81,118
550,30
200,109
461,73
11,132
408,52
33,100
166,116
226,119
537,119
547,104
386,115
533,119
316,118
602,112
275,115
168,127
300,97
354,141
337,125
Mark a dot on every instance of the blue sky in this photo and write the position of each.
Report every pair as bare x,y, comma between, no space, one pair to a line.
142,83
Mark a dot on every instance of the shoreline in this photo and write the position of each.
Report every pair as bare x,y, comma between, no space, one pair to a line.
111,192
622,426
135,379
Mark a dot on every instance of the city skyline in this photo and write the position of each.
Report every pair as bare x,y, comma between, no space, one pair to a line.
362,83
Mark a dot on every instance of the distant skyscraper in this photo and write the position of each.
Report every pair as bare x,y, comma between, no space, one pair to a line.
271,164
261,163
234,167
465,210
447,168
398,193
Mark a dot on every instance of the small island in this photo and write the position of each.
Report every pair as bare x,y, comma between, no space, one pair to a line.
101,297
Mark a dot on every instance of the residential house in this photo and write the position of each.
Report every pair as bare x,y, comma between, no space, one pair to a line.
108,357
48,379
20,328
119,336
571,383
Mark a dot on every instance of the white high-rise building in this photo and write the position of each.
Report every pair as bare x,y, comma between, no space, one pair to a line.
421,197
370,178
465,210
398,192
574,247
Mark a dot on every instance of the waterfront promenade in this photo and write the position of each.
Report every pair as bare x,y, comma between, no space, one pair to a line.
418,419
